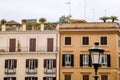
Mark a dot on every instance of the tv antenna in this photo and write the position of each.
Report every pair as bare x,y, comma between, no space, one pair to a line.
69,5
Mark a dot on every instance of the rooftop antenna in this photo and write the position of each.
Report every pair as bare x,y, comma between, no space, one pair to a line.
69,4
85,10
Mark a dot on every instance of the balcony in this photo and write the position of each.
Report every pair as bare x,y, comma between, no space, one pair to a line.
31,71
26,49
10,71
49,71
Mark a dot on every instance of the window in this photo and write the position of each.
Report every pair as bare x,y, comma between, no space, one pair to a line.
9,78
85,40
85,77
49,65
31,78
68,60
67,40
49,78
67,77
31,65
103,40
104,77
10,66
106,60
85,60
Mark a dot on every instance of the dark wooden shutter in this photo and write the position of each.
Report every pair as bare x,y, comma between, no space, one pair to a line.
63,60
14,78
12,45
35,78
54,63
27,63
50,44
81,60
36,63
44,78
72,60
5,78
6,63
45,63
15,63
32,44
54,78
109,61
90,61
26,78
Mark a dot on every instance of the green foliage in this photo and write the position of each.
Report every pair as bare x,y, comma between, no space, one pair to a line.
3,21
104,18
113,18
64,19
24,21
50,26
42,20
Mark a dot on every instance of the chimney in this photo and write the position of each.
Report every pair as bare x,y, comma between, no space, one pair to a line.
42,27
24,27
57,27
3,27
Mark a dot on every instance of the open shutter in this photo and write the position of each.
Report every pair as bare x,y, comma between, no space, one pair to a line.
54,78
63,60
109,61
6,63
72,60
44,63
5,78
54,63
44,78
36,63
81,60
27,63
14,78
15,63
90,61
35,78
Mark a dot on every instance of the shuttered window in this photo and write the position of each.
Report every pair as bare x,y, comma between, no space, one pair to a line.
67,60
106,61
9,78
85,60
31,63
67,77
49,78
10,63
31,78
85,77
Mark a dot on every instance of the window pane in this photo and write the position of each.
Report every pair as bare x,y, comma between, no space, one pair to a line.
67,77
103,40
67,40
85,77
104,77
85,41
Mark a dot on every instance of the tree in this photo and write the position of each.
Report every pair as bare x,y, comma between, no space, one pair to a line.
42,20
24,21
3,21
64,19
113,18
104,19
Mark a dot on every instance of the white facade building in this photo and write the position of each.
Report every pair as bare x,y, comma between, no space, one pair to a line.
29,55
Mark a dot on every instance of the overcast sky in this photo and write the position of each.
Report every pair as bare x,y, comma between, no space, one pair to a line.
90,10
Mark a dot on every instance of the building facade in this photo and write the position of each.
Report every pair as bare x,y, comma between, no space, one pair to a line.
77,38
29,54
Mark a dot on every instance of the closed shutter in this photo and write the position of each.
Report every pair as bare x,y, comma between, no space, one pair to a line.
27,63
12,45
26,78
35,78
50,44
63,60
6,63
54,63
15,63
54,78
81,60
72,60
32,44
44,63
36,63
109,61
90,61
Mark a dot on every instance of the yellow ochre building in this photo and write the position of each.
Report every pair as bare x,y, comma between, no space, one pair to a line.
77,38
